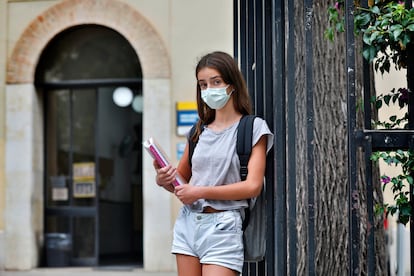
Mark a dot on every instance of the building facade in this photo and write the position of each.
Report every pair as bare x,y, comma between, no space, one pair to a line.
71,159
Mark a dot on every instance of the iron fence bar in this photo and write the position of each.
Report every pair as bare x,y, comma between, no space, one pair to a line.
258,69
368,164
410,87
367,87
243,35
387,139
258,58
279,99
236,25
291,115
370,208
249,74
411,147
269,116
353,245
308,22
250,49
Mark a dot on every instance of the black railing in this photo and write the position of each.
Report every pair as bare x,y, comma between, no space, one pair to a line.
263,31
265,48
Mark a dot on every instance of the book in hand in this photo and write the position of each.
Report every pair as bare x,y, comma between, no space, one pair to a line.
157,153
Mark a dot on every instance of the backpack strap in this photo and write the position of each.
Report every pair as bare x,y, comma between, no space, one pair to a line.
244,148
244,143
191,143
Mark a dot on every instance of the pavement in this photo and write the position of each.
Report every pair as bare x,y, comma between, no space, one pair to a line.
87,271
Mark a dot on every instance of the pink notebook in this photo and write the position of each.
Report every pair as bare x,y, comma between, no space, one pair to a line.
156,152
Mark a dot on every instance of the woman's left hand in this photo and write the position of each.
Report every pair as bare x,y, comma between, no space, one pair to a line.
186,193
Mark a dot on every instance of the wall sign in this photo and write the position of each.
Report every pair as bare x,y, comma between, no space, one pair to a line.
187,115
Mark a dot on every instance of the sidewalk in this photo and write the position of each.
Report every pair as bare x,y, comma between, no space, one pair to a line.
87,271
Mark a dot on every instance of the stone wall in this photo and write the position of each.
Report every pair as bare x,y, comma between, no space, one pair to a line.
24,141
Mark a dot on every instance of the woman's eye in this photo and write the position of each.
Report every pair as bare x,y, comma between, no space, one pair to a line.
217,82
203,86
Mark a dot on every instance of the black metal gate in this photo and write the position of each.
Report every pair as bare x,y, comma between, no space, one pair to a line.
264,39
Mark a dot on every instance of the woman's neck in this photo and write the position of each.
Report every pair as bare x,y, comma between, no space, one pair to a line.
225,119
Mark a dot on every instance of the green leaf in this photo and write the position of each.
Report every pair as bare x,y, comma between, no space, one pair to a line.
379,209
367,39
375,10
405,40
378,104
369,53
329,34
396,33
410,179
385,23
387,99
395,97
403,219
339,27
386,66
362,19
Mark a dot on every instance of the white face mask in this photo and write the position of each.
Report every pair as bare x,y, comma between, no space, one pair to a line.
215,98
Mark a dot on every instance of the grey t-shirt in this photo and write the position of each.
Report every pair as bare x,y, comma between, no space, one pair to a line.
215,162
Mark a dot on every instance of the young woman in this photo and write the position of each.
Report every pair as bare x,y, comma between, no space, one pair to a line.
208,237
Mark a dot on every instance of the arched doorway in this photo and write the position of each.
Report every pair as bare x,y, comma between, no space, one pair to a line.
25,232
93,160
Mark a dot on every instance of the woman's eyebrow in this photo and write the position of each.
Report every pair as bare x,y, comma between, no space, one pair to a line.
215,77
212,78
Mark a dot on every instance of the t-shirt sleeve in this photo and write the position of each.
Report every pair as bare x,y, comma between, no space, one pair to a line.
261,128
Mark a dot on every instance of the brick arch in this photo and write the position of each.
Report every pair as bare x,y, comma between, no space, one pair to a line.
110,13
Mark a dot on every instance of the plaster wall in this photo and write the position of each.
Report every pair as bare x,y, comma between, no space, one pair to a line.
3,51
181,30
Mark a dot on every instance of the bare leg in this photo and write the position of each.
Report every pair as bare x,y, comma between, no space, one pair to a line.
188,265
215,270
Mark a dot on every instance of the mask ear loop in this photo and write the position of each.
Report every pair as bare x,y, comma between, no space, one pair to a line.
231,92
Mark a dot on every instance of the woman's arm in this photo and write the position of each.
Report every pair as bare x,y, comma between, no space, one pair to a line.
184,168
249,188
165,176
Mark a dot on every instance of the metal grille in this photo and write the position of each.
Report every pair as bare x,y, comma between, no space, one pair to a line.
264,37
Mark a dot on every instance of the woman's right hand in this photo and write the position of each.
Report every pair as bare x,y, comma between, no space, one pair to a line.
165,176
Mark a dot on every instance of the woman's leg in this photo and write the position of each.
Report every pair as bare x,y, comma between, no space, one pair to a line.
214,270
188,265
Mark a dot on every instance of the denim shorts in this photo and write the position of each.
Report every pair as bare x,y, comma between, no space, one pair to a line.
214,238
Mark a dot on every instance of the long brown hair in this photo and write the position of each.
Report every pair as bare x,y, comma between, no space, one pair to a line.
231,74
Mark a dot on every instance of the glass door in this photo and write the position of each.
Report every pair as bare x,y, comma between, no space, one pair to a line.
71,165
93,189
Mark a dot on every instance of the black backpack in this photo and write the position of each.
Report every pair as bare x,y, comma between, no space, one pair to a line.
254,223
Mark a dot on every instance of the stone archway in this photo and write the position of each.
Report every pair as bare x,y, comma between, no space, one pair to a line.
110,13
24,124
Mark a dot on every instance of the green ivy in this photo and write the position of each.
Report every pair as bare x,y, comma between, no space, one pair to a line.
400,184
387,27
